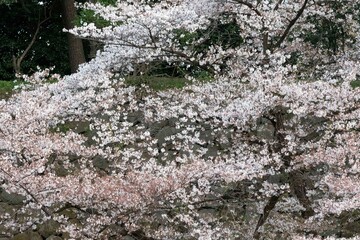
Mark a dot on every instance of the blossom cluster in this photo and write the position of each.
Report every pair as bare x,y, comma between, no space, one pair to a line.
267,147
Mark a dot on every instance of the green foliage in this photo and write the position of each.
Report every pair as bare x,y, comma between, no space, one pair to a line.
355,83
7,1
107,2
226,33
223,32
184,37
89,16
329,34
202,75
294,58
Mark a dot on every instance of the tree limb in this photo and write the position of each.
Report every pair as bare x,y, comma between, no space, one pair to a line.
43,208
249,5
278,5
291,24
269,206
17,60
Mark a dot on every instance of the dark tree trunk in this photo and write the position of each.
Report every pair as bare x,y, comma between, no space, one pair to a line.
76,49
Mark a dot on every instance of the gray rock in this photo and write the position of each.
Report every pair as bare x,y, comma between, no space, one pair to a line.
278,178
52,237
207,136
159,217
265,130
164,133
7,212
128,238
30,235
212,152
207,213
101,163
115,231
60,170
224,144
206,126
70,213
311,125
80,127
48,228
6,208
135,117
172,122
156,127
351,229
167,156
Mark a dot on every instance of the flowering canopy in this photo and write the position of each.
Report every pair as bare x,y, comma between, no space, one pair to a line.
267,146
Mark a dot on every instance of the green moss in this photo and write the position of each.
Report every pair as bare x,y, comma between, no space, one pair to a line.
120,146
81,127
63,128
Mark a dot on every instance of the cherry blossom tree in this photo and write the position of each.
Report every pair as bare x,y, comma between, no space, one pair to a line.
268,148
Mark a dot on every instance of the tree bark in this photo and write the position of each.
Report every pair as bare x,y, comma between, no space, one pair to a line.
17,60
76,48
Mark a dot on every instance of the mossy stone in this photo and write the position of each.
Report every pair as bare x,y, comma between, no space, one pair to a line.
48,228
11,198
69,213
164,133
60,170
52,237
30,235
101,163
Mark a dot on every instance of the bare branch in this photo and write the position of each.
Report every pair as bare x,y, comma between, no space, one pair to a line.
17,60
291,24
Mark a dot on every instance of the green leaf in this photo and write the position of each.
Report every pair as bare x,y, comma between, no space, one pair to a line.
355,84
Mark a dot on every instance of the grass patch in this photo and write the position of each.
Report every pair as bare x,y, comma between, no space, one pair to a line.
6,88
156,83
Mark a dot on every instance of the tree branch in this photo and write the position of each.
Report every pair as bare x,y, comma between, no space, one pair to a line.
291,24
249,5
17,60
278,5
269,206
43,208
